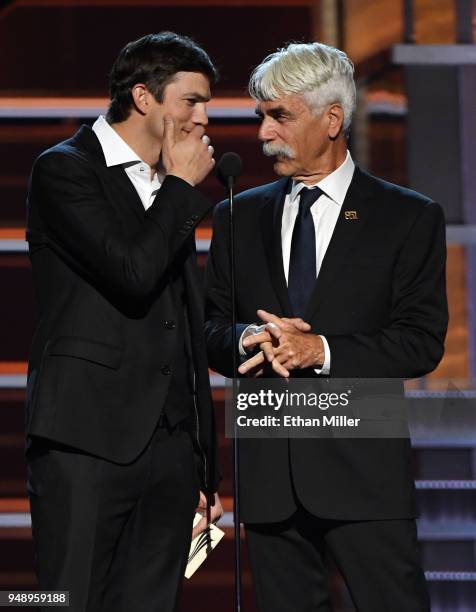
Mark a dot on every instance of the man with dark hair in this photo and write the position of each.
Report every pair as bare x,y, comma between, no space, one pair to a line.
120,430
339,274
154,60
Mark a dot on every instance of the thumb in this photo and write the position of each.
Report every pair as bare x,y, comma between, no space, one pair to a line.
267,317
169,130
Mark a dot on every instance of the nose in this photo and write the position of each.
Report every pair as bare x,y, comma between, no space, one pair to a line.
266,130
200,116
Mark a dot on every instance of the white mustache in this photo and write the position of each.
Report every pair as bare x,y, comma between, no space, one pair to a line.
270,150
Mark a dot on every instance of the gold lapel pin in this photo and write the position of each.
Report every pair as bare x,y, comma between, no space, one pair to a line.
351,215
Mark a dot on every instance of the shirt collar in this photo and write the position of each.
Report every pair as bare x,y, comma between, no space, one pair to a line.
116,150
334,185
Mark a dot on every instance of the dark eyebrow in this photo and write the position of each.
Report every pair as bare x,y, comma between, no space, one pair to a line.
196,96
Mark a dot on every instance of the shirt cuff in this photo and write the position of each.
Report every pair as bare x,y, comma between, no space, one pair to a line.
248,331
326,366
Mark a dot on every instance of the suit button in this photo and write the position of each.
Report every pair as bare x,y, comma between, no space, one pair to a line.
170,324
166,371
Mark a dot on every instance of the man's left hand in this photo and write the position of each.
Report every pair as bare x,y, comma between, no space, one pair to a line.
215,513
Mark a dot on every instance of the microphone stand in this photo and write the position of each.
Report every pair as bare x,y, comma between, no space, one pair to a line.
236,454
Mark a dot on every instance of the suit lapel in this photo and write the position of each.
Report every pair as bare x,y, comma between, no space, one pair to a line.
270,219
356,209
115,177
124,190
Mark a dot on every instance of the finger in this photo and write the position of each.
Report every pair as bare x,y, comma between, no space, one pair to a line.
211,150
216,511
215,518
198,131
290,362
169,130
268,351
299,324
251,363
199,527
257,339
290,365
264,328
288,358
268,317
202,503
274,330
206,139
284,352
279,369
256,372
284,356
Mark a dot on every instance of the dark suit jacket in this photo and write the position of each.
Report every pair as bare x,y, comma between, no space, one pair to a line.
101,360
380,301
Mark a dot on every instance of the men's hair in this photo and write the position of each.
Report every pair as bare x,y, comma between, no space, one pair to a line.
153,60
320,74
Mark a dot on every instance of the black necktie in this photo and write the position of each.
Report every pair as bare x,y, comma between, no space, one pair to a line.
302,261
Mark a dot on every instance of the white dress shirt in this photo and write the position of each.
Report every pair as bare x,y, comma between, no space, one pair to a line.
325,212
118,153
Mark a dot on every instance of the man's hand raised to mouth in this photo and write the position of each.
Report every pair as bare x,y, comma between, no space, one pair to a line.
190,158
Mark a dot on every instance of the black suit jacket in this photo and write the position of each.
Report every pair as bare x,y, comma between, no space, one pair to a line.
380,301
101,360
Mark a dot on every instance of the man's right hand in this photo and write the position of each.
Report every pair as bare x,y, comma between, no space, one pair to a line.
190,158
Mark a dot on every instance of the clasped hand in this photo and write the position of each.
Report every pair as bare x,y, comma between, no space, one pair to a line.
285,343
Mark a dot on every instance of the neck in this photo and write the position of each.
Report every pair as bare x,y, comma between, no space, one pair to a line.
147,148
324,165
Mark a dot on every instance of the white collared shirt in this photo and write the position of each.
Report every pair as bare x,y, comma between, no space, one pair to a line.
118,153
325,212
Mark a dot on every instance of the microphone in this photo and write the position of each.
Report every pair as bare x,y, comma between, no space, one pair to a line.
229,169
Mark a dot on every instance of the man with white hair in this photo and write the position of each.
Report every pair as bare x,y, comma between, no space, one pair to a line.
338,274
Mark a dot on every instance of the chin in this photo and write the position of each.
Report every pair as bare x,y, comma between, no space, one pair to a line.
283,167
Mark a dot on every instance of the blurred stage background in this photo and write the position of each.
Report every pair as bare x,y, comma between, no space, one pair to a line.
415,125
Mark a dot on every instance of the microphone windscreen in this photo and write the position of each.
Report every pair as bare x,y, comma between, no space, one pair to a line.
229,166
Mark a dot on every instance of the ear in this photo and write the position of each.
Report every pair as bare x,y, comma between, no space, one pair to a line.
141,97
335,116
